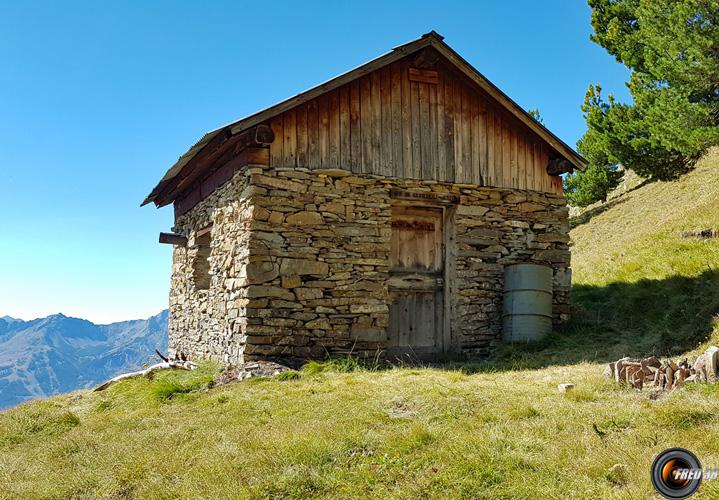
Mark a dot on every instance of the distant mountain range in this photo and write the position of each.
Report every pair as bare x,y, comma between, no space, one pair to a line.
57,354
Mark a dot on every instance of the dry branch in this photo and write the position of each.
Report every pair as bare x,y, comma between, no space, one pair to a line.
165,365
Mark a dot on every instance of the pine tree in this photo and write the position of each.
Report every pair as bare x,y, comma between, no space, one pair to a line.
592,185
672,48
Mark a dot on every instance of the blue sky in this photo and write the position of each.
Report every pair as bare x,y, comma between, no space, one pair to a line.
98,99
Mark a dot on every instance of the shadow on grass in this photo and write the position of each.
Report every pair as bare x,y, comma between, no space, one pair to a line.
661,317
587,215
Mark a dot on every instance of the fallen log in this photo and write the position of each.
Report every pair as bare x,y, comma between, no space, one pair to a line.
680,377
670,376
620,368
165,365
633,374
700,369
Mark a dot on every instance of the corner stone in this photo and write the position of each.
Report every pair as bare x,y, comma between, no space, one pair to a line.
476,210
261,272
304,219
255,291
299,267
561,256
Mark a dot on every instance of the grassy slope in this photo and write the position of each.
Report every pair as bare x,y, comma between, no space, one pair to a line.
638,279
493,430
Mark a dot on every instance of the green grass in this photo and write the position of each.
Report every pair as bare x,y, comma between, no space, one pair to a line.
498,428
407,432
344,364
173,384
639,287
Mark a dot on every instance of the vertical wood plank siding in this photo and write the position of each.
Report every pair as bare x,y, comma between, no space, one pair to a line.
384,123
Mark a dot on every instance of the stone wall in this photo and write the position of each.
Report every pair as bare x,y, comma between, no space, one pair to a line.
323,238
495,228
299,263
207,323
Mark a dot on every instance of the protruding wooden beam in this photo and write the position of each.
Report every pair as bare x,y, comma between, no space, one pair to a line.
558,166
173,239
202,232
256,137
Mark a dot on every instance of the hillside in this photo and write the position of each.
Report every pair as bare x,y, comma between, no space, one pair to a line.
47,356
638,278
495,429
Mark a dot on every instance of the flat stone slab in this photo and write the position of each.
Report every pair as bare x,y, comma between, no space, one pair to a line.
251,369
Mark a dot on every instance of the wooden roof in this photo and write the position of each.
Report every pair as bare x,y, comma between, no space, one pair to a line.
431,39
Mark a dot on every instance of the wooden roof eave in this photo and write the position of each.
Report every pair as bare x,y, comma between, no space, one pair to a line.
432,39
177,168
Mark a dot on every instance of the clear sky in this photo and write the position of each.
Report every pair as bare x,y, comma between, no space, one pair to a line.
98,99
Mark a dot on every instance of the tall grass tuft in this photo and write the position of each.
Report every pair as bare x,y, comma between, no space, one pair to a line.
170,384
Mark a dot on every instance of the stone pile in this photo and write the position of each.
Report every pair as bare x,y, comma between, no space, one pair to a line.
666,375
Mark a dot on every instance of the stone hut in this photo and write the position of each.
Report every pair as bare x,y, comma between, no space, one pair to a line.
373,213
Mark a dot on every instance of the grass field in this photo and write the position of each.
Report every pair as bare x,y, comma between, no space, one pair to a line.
496,429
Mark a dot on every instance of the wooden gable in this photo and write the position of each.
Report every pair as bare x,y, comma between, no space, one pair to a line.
420,111
417,118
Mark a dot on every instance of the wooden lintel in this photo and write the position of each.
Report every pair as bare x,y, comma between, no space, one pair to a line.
439,198
202,232
424,76
173,239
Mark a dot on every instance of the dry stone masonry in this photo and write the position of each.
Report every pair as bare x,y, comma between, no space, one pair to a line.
375,214
299,263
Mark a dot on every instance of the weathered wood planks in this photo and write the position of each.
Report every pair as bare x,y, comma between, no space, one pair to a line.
401,121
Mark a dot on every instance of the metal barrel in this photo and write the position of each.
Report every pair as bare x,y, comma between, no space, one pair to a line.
527,305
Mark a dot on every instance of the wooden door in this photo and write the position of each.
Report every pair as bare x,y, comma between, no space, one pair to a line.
416,283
